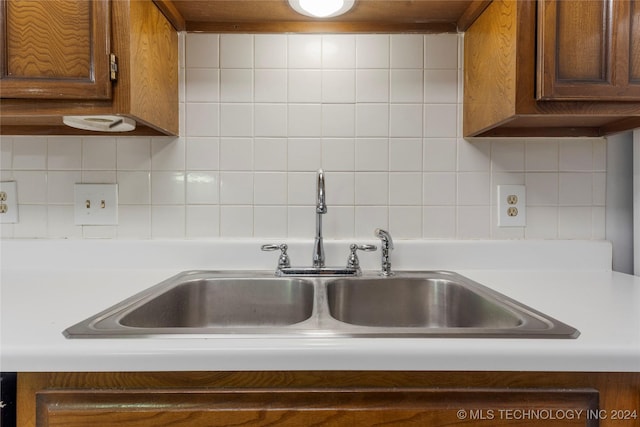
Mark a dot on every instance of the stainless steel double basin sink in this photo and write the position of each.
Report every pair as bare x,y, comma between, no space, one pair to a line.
406,305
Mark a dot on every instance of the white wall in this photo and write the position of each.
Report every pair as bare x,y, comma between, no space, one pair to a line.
259,114
636,199
619,206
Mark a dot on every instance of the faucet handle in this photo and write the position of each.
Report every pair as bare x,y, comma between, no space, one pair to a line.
283,260
353,261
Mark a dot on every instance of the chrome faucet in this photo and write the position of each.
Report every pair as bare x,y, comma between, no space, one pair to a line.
321,209
386,247
318,268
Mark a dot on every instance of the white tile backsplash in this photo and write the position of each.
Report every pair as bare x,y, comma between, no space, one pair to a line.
236,120
202,153
305,86
372,51
407,51
270,120
236,51
405,188
304,154
339,51
6,154
405,120
270,85
439,222
134,187
204,85
371,188
440,86
236,85
270,188
29,153
372,120
99,153
270,154
372,85
203,119
405,154
236,154
168,188
202,188
441,51
261,113
440,188
202,50
60,186
236,221
203,221
63,154
304,51
236,188
338,120
406,86
405,221
338,154
271,51
339,86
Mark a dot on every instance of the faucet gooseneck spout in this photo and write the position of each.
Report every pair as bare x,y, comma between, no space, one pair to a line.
318,267
321,209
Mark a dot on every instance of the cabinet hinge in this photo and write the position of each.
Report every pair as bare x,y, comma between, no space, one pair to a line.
113,67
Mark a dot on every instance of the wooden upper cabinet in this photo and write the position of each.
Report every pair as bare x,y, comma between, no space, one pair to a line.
55,49
552,68
634,44
588,50
57,64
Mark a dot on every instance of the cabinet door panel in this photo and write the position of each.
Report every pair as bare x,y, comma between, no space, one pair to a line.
55,49
634,36
573,21
435,407
587,50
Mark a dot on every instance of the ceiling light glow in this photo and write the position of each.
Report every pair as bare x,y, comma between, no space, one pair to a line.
321,8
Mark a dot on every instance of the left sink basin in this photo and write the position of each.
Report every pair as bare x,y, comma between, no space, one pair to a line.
205,302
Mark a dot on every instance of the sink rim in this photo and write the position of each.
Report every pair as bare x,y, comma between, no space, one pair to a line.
321,324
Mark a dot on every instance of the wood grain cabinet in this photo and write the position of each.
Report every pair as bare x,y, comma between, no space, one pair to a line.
553,68
434,399
589,50
56,50
86,57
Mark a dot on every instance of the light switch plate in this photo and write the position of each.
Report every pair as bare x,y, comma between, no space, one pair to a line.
8,202
512,203
96,204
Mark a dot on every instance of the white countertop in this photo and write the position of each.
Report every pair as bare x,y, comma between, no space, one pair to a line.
47,286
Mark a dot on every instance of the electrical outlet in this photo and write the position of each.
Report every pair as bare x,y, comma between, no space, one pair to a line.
96,204
8,202
512,206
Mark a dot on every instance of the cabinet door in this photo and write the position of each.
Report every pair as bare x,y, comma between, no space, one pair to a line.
55,49
588,50
402,407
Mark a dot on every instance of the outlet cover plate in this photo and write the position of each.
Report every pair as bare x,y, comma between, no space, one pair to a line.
512,203
9,208
96,204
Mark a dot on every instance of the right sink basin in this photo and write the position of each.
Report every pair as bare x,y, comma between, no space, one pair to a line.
413,302
435,303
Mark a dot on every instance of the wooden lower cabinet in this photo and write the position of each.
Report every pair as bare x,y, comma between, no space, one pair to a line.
329,399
